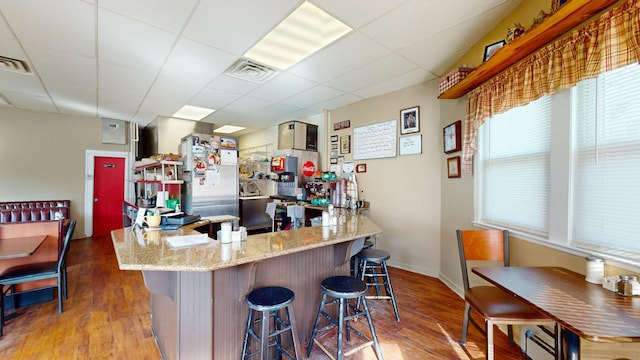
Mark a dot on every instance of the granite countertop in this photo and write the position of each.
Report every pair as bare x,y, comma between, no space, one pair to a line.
150,251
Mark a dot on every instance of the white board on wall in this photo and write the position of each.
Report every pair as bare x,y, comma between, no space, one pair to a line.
375,140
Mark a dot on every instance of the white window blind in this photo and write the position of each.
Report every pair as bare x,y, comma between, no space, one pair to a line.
515,176
606,178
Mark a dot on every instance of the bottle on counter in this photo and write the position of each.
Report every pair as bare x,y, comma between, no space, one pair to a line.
353,192
626,284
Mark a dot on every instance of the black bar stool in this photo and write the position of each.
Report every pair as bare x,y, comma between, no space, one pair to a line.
368,244
268,302
372,265
342,289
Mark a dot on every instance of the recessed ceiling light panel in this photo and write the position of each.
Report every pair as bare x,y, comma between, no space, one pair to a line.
190,112
228,129
307,30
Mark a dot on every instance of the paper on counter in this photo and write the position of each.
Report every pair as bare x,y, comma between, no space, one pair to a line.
181,241
219,218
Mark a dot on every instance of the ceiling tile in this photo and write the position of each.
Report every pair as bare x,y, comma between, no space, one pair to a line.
11,48
116,105
336,102
247,104
74,100
62,25
233,84
195,62
213,98
456,39
57,66
169,15
281,87
395,83
132,44
5,31
417,19
346,54
154,56
30,101
381,69
125,80
27,84
312,96
235,26
357,13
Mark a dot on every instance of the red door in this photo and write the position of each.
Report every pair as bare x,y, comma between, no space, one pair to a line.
108,194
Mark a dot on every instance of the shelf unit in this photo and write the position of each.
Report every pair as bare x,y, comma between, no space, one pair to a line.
567,17
171,185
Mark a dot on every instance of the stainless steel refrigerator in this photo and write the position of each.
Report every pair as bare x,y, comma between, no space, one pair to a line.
210,174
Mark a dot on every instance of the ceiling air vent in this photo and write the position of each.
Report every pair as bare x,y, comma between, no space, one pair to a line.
249,70
14,65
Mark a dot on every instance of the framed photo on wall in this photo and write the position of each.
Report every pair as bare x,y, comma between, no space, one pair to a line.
452,137
410,120
453,167
345,144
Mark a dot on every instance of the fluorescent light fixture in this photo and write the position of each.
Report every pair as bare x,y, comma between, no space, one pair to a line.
228,129
193,113
307,30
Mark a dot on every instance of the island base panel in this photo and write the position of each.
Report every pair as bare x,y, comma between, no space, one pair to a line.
205,319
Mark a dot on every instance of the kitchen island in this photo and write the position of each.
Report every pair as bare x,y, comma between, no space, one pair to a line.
198,293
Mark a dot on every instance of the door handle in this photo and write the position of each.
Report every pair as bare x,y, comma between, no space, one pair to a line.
95,200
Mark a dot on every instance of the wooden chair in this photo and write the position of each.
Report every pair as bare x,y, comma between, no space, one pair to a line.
495,305
38,271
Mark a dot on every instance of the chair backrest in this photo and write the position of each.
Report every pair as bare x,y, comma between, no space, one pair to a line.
482,245
67,241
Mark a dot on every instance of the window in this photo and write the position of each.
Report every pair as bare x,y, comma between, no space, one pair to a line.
565,169
515,168
606,160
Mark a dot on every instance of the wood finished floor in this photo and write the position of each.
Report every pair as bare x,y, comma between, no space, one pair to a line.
107,317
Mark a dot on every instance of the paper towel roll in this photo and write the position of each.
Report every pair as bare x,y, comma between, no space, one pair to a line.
225,252
325,232
225,230
325,218
161,197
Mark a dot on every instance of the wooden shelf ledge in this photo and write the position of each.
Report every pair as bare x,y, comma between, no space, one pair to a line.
567,17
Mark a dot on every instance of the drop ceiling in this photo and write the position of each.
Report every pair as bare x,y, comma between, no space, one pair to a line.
137,60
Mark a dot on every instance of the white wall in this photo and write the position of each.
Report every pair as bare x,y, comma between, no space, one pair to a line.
42,156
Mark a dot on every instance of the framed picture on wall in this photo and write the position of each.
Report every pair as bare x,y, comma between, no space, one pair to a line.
410,120
345,144
453,167
452,137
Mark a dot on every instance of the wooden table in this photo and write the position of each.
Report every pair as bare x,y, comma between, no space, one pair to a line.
587,310
20,247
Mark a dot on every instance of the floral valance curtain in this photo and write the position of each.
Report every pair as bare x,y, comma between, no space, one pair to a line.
610,42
